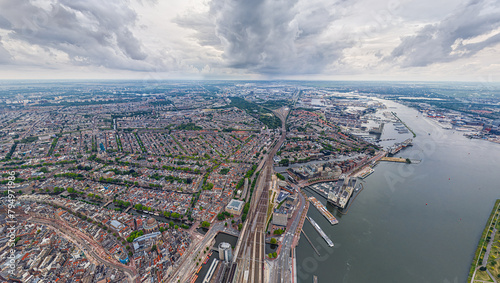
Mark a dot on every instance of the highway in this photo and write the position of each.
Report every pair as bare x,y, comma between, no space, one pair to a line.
250,249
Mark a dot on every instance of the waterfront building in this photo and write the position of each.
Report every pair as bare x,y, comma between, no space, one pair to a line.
225,252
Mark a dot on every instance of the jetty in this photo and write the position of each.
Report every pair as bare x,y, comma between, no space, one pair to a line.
307,238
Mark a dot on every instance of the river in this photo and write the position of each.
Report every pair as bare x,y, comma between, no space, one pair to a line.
412,222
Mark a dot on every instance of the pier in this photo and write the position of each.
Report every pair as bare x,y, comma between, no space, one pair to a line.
307,238
401,121
399,159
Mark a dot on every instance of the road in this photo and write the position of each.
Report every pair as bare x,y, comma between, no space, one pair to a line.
250,249
184,268
282,271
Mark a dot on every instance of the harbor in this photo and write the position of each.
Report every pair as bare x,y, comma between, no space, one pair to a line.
320,231
322,209
397,147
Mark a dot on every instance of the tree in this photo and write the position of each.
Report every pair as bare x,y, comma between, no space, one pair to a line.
221,216
205,224
225,224
273,241
153,248
281,177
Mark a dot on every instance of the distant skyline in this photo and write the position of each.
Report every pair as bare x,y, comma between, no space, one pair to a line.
259,39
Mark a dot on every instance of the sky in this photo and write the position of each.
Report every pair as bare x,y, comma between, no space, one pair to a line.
425,40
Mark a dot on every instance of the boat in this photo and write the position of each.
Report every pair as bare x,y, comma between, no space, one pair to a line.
320,231
367,173
322,209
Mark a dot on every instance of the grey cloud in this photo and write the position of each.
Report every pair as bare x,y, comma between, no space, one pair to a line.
447,40
4,23
90,32
5,56
270,36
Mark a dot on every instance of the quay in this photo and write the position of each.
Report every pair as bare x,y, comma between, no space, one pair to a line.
320,192
321,208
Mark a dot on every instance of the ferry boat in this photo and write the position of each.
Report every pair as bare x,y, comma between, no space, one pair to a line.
320,231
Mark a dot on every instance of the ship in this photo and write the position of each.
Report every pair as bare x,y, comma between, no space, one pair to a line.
367,173
320,231
321,208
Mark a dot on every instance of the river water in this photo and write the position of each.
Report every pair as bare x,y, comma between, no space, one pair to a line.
412,222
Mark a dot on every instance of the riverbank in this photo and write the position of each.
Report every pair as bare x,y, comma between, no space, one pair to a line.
484,249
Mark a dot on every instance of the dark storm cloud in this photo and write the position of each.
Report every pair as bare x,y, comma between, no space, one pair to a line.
269,36
89,32
447,40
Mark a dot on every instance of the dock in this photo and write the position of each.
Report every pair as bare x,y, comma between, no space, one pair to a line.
307,238
320,231
393,159
321,208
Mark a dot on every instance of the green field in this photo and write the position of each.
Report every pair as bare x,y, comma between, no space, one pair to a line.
492,265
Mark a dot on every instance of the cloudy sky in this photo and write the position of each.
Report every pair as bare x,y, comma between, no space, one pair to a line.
251,39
